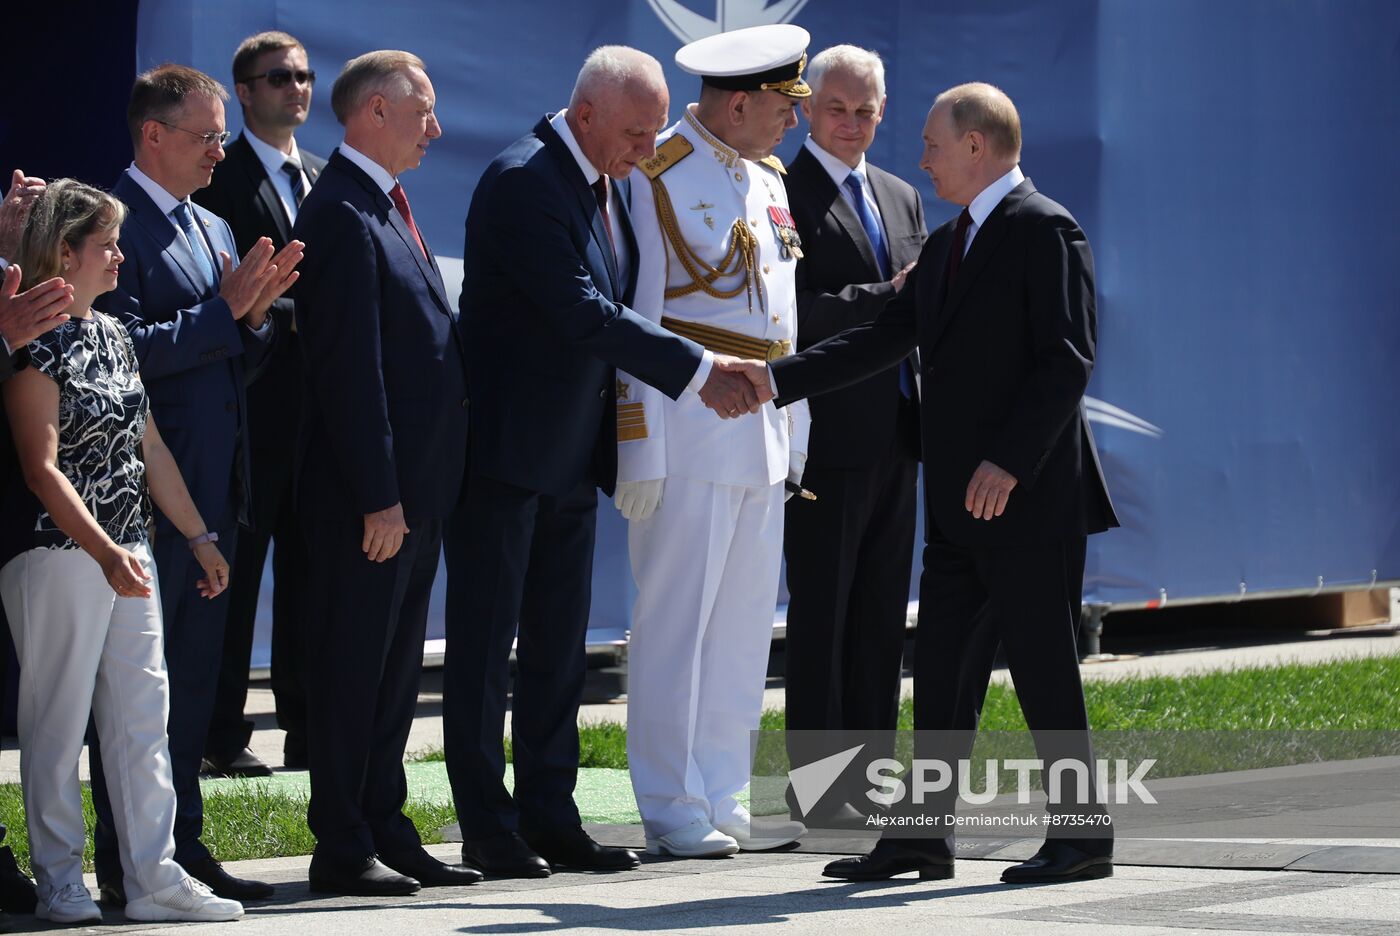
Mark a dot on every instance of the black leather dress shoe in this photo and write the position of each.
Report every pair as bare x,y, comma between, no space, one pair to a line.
572,848
242,764
294,752
890,857
369,878
427,870
504,855
112,893
226,885
1059,861
16,890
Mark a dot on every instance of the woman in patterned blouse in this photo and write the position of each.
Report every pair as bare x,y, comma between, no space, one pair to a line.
82,602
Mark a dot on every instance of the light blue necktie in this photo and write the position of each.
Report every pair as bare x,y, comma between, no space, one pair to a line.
185,218
856,183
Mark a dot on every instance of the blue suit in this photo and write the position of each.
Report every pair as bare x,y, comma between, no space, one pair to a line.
385,422
195,360
544,312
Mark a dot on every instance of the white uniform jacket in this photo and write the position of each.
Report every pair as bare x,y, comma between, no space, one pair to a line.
710,187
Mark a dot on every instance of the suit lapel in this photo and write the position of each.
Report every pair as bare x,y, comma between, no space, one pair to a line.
386,205
241,151
629,237
984,246
161,229
568,166
829,193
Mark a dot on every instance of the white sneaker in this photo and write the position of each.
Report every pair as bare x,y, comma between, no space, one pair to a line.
188,901
698,839
71,903
770,834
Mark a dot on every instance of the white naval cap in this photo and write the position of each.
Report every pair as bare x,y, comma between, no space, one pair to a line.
759,58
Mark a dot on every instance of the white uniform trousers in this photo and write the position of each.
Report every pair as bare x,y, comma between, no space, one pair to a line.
706,565
82,648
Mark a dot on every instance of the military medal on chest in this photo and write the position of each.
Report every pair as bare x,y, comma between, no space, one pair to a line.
786,229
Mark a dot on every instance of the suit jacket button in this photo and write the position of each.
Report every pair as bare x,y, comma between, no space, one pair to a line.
603,393
231,407
466,402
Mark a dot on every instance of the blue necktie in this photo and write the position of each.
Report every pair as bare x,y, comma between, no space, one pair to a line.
856,183
185,218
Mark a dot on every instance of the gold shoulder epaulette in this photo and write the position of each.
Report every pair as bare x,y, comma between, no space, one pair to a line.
772,162
667,155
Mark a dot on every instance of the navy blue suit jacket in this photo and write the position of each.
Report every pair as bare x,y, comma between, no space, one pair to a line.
194,357
547,324
385,417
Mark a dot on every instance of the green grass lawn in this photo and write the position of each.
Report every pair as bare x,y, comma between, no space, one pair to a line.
1235,719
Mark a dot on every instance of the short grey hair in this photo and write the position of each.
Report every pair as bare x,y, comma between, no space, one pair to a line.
848,59
370,74
613,67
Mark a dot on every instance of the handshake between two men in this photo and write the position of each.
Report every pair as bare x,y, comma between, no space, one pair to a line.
736,387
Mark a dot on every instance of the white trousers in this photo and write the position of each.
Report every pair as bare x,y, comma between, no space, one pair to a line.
706,565
82,648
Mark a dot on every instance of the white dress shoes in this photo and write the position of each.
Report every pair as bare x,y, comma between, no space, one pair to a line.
188,901
768,835
697,839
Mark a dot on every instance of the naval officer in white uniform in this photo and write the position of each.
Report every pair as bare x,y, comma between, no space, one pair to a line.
717,251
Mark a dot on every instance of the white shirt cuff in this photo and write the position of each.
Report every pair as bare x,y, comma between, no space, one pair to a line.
264,327
772,382
702,373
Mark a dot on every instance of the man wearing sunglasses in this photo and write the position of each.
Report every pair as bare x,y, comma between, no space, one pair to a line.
257,189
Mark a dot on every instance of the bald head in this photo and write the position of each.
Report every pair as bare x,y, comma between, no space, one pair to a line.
986,109
620,103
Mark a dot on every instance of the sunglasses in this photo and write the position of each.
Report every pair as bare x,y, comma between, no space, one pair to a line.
281,77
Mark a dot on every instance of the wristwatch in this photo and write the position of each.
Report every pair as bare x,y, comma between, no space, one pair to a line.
203,538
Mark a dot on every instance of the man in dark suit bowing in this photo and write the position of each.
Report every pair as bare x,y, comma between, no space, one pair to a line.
257,189
380,461
1001,308
551,263
199,322
849,552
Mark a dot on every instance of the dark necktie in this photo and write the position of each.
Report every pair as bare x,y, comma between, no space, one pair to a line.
600,190
293,171
400,201
955,253
855,182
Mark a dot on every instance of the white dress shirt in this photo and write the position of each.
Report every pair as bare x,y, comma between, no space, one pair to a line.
838,171
272,160
376,172
988,199
624,263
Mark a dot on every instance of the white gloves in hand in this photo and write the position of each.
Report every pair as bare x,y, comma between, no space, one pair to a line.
797,462
638,499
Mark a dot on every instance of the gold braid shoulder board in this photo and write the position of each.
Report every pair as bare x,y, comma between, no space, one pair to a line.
740,260
774,163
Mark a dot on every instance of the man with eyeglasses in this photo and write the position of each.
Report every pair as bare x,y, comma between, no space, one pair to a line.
199,322
257,189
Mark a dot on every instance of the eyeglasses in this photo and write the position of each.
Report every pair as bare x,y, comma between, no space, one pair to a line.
281,77
208,138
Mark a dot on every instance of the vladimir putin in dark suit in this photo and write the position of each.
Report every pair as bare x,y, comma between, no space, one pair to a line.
380,460
1006,336
849,552
257,189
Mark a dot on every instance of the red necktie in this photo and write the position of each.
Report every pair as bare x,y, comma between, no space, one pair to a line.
955,253
400,201
600,189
